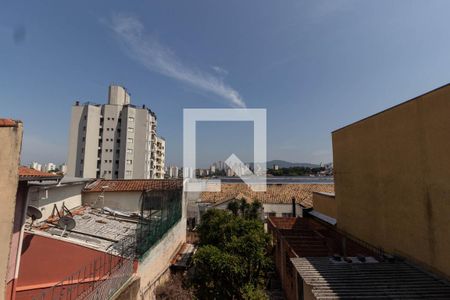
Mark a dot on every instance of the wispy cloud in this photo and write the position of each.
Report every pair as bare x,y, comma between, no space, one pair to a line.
219,70
156,57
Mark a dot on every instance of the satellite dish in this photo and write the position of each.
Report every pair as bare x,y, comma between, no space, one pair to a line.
66,223
34,213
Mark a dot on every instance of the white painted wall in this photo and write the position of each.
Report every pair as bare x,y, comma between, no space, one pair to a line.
46,197
124,201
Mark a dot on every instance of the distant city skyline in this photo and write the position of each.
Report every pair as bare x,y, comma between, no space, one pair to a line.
315,66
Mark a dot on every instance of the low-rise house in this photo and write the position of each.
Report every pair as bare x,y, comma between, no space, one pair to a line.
276,201
316,261
106,249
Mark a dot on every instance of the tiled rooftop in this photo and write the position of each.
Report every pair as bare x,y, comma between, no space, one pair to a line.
380,280
134,185
308,237
26,173
8,123
276,193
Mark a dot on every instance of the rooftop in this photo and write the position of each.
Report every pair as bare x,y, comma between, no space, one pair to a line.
133,185
276,193
309,237
28,174
95,228
369,280
8,123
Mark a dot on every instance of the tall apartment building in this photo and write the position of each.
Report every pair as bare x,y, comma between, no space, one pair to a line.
115,140
160,157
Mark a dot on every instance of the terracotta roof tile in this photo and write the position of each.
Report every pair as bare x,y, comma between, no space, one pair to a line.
131,185
276,193
26,173
8,123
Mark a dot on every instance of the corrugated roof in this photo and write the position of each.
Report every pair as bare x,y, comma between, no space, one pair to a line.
276,193
134,185
381,280
28,174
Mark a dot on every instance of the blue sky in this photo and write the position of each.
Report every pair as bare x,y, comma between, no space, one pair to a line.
314,65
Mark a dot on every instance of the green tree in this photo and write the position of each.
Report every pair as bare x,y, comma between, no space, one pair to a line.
232,260
233,206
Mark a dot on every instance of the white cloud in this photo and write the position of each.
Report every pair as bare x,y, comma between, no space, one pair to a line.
156,57
219,70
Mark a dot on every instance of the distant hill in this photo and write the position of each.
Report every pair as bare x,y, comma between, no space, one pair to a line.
287,164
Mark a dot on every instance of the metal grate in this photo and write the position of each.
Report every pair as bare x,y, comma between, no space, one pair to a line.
160,211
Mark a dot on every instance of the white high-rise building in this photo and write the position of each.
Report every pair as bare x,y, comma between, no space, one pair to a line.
115,140
49,167
35,165
173,172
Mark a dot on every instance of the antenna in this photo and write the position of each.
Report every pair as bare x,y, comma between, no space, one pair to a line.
34,213
66,223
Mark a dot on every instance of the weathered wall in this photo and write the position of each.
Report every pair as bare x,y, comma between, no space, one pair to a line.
11,137
155,263
126,201
392,175
325,204
70,195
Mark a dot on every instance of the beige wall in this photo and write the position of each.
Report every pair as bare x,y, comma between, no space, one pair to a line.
325,204
46,197
392,184
11,138
125,201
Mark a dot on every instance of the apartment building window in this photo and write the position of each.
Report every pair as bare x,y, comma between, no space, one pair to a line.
129,162
109,119
106,161
130,119
130,140
84,128
83,139
129,173
130,129
129,151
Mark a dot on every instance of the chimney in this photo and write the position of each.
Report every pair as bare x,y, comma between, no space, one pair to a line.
293,208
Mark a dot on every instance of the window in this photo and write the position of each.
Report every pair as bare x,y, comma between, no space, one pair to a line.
129,173
130,129
287,214
129,151
130,119
106,161
129,162
84,139
130,140
109,118
84,128
110,161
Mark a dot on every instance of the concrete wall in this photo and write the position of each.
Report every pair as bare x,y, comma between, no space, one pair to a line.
45,197
155,263
325,204
392,179
125,201
11,137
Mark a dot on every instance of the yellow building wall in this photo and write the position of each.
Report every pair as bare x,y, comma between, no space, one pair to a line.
392,179
325,204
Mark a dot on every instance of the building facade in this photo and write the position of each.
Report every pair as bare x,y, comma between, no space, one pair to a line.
115,140
391,176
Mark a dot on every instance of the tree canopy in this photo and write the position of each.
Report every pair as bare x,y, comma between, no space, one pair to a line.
232,259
